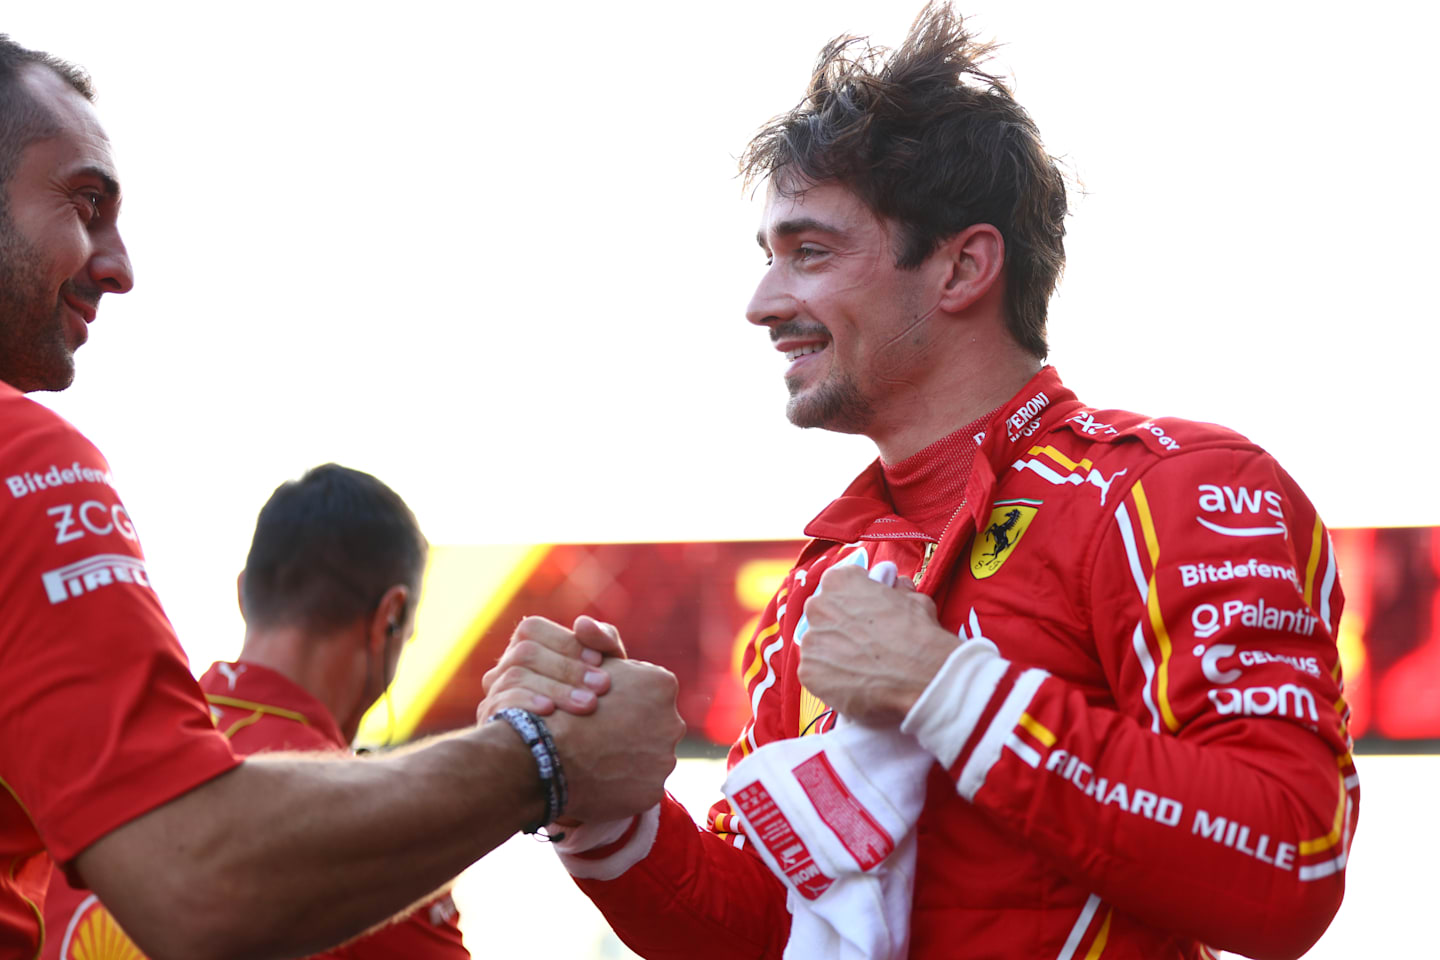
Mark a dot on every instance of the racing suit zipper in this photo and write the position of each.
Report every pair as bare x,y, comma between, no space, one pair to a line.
925,560
934,545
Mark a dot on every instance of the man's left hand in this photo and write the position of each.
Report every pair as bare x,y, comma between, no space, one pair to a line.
871,649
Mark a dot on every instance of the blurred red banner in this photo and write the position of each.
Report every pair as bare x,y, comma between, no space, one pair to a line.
692,606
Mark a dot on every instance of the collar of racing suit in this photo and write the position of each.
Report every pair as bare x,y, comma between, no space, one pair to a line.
925,487
870,510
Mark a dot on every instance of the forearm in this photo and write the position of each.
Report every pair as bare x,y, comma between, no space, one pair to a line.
1223,839
286,855
672,891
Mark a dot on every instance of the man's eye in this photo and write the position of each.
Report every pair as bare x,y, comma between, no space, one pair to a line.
92,201
808,253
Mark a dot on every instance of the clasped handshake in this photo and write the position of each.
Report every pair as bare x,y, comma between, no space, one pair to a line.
614,721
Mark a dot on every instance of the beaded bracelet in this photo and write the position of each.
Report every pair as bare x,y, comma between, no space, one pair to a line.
537,737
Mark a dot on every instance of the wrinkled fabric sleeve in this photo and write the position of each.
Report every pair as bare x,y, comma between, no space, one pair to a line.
101,720
1218,801
672,891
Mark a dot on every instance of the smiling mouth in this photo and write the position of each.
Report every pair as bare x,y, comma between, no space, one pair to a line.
84,310
804,351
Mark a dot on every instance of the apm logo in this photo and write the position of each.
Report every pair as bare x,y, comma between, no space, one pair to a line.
1009,519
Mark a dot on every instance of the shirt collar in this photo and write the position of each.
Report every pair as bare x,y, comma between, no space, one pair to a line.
271,691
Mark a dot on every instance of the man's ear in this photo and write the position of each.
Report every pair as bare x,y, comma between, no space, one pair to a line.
975,261
391,617
240,592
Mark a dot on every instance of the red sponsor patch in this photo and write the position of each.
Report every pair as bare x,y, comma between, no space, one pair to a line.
867,841
777,836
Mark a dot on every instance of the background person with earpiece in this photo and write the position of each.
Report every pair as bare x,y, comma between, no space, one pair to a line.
328,594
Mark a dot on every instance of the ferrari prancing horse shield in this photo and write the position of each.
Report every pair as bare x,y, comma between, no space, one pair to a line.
1009,519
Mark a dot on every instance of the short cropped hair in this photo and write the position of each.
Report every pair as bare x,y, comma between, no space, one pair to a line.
22,120
929,140
326,548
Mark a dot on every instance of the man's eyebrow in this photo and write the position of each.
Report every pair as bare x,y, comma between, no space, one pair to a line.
788,228
109,185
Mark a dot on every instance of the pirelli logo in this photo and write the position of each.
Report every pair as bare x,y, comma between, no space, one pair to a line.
84,576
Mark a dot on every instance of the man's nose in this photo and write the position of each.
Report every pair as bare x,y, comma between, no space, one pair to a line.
110,270
770,303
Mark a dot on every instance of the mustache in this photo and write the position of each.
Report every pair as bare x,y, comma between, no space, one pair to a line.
796,330
90,296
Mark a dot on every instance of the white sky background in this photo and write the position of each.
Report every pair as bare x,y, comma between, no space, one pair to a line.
500,258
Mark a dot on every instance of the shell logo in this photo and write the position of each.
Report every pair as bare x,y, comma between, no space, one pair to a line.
94,935
812,708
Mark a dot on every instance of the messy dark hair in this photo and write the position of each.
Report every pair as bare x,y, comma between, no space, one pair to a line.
22,120
931,141
327,547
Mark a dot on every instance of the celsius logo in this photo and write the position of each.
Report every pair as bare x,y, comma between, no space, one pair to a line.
1241,501
92,573
1019,425
1210,661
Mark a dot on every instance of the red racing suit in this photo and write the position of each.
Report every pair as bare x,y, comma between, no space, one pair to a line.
260,710
100,719
1157,765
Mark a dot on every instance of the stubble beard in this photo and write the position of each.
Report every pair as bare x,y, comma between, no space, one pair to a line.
836,405
34,351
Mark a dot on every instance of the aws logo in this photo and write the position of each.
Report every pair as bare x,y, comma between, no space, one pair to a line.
1009,519
1244,505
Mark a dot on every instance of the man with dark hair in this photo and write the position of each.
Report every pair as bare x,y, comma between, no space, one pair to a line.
319,650
1116,659
111,764
41,251
326,541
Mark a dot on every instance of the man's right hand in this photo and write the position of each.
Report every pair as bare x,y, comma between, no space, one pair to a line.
553,666
615,760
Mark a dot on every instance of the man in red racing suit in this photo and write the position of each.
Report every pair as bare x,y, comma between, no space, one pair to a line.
1120,650
1157,760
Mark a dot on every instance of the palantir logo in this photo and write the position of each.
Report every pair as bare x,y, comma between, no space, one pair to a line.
82,577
